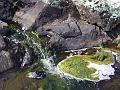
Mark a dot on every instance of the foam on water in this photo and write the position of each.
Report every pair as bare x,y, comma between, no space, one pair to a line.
112,6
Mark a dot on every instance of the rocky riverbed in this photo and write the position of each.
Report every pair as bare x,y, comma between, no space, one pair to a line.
35,35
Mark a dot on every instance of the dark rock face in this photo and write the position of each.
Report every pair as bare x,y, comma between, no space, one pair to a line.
72,34
21,55
5,61
6,11
6,32
2,43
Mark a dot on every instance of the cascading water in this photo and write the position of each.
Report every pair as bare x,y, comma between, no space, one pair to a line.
33,40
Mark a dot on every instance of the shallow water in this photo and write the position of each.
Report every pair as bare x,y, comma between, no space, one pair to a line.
17,80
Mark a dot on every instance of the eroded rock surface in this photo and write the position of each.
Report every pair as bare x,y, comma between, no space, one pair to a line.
72,34
27,15
2,43
5,61
6,10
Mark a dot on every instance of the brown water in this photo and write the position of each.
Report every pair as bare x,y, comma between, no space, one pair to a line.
14,80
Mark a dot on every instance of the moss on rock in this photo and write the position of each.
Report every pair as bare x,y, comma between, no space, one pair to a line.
77,65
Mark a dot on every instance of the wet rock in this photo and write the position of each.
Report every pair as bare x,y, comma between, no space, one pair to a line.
2,43
118,58
5,61
6,11
67,29
56,9
3,24
100,13
6,31
91,17
27,15
37,75
114,30
72,34
22,55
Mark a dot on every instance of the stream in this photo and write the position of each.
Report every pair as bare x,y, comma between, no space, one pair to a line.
54,80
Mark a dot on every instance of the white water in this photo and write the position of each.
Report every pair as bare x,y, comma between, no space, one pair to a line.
49,64
103,71
112,6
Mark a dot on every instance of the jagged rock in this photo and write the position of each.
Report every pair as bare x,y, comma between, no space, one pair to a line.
3,24
21,55
26,16
6,31
72,34
103,13
62,29
5,61
6,11
2,43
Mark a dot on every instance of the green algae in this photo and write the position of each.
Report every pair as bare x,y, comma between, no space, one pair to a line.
77,65
19,81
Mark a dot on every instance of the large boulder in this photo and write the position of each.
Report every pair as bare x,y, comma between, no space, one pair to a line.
5,61
2,43
27,15
5,30
103,13
3,24
6,10
72,34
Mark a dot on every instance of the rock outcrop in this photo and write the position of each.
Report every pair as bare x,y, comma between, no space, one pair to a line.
2,43
72,34
103,13
27,15
67,24
5,61
7,10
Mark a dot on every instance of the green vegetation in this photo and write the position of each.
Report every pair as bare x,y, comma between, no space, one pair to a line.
101,57
77,64
38,44
19,81
14,25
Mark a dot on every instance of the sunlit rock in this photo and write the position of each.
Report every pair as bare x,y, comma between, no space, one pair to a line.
112,6
5,61
26,16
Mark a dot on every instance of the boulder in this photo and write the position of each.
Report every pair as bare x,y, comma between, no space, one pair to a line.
4,29
103,13
5,61
72,34
27,15
3,24
6,11
2,43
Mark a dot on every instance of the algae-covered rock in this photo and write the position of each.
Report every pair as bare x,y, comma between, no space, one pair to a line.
88,67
